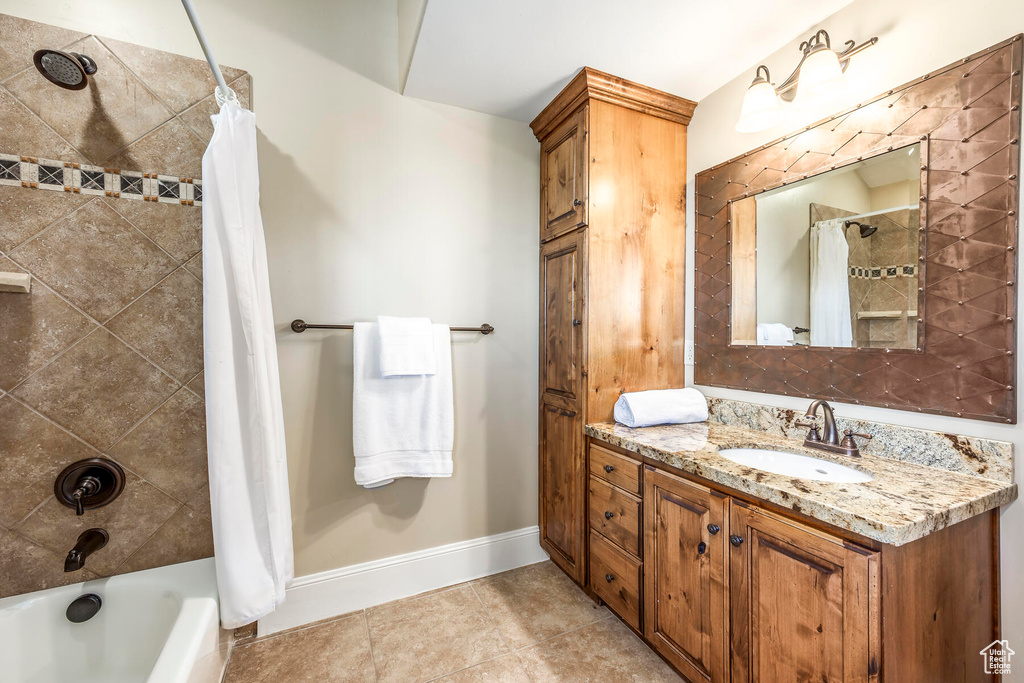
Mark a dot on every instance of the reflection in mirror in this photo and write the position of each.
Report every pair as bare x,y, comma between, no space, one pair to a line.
831,260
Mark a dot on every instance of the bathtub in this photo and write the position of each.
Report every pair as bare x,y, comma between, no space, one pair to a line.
155,626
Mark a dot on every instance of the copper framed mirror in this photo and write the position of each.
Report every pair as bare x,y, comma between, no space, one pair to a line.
871,258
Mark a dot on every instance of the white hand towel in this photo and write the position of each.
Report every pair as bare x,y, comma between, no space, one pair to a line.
774,334
406,346
401,426
661,406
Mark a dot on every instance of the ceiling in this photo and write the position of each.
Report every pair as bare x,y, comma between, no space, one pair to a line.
511,58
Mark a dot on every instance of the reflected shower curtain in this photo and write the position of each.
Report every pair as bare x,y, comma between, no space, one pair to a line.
252,530
830,285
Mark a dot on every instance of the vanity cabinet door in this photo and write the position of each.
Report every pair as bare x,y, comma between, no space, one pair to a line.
563,177
684,571
561,317
562,488
804,604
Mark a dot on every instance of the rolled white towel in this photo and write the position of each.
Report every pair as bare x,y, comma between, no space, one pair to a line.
661,406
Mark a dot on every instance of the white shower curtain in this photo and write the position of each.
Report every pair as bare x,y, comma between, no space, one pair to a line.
252,530
830,285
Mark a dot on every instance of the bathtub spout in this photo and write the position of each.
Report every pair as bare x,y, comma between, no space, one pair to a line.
89,542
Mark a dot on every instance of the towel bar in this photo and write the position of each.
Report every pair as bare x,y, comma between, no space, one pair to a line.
302,326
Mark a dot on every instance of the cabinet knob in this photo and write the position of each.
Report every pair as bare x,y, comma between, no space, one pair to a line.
609,469
609,515
736,541
576,322
713,529
577,203
609,577
701,547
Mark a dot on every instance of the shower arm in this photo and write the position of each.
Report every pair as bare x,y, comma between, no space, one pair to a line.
224,93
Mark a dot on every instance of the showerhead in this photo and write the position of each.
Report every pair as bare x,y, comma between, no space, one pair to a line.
67,69
865,229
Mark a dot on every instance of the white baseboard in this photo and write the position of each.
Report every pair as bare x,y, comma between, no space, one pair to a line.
347,589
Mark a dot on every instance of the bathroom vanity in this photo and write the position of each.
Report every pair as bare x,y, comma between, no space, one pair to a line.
734,573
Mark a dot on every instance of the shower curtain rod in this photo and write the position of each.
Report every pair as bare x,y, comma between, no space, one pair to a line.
302,326
869,214
226,92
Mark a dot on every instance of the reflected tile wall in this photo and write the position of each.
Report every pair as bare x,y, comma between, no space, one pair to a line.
98,193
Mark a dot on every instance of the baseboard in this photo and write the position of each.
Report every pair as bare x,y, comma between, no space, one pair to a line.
347,589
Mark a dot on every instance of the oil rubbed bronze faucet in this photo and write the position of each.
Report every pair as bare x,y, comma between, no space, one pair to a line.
830,443
89,542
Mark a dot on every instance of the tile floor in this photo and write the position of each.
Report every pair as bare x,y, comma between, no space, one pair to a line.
529,624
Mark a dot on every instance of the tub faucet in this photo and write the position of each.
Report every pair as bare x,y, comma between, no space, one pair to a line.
89,542
830,441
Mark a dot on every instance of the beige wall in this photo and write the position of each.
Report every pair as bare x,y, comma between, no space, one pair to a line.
375,204
916,36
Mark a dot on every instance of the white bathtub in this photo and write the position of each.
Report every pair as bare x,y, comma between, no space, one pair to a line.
155,626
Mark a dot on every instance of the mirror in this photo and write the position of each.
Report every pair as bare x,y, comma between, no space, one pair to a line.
831,260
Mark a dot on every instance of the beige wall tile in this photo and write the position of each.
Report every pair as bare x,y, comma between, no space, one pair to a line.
186,536
99,389
25,212
176,228
21,38
169,448
335,652
96,260
130,520
534,603
166,325
112,112
195,265
35,328
198,385
421,638
171,149
177,80
32,137
33,451
26,567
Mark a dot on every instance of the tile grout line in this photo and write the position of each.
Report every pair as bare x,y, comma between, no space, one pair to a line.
180,262
511,650
369,641
148,538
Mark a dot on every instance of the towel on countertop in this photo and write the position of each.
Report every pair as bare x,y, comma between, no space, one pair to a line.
774,334
660,407
401,426
406,346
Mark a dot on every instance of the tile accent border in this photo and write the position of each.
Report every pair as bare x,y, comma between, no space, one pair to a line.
67,176
339,591
963,454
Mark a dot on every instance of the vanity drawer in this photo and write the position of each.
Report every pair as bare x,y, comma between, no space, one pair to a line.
615,514
615,577
615,469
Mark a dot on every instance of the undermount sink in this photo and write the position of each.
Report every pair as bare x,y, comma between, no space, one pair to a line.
795,465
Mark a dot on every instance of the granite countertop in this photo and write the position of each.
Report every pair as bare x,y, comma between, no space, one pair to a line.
904,502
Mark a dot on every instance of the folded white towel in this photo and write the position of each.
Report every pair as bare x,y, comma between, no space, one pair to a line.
406,346
774,334
661,406
401,426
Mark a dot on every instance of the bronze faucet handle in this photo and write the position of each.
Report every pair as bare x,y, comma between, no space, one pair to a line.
850,432
812,422
849,444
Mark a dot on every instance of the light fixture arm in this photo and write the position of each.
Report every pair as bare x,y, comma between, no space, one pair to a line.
820,40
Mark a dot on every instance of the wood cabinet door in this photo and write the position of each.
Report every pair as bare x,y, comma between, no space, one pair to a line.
562,487
563,177
561,316
804,604
684,572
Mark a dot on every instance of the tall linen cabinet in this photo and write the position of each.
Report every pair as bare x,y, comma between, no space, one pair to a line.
612,257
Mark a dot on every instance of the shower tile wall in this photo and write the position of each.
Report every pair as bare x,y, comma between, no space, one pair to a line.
105,356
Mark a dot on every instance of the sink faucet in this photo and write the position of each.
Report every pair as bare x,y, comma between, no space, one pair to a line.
89,542
830,443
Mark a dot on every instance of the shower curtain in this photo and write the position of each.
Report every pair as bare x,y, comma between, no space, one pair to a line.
830,285
252,530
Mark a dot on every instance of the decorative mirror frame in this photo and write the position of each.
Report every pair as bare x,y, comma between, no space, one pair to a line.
968,115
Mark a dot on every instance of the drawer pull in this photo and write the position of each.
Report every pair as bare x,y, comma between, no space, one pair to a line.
609,469
736,541
701,547
577,203
609,577
713,529
609,515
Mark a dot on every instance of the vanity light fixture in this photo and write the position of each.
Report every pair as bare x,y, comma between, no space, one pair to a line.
819,75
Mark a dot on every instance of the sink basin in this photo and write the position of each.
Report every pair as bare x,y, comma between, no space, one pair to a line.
795,465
